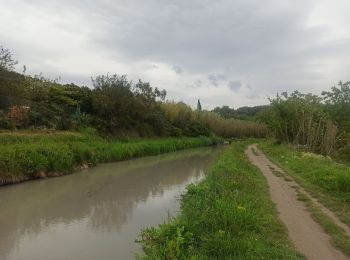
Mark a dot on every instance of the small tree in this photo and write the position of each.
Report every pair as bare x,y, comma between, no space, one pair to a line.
199,106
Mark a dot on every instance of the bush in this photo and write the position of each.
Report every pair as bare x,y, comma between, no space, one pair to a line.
301,119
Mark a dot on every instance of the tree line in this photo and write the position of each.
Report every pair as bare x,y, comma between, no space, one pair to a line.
114,106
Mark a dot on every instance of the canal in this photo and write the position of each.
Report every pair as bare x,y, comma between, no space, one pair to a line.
97,213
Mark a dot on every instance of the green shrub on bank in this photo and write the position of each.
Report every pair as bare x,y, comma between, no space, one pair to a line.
56,156
227,216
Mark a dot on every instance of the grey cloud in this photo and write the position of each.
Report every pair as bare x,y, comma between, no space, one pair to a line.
269,43
266,40
196,84
215,79
252,96
178,69
234,85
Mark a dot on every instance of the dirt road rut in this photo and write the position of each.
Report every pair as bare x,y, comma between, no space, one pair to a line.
308,237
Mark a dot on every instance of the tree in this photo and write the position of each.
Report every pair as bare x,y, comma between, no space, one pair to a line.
225,111
338,104
6,60
249,112
120,105
199,106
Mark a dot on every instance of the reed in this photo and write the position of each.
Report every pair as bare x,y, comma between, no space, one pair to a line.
184,118
24,157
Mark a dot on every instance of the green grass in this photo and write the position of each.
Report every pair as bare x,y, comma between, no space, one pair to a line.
323,178
229,215
25,156
43,136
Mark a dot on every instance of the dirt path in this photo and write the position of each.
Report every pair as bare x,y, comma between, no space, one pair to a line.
308,237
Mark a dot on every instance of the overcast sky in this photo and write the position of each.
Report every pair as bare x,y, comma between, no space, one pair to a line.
224,52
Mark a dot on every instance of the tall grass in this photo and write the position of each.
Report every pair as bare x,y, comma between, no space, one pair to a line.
233,127
182,116
227,216
302,119
43,136
24,157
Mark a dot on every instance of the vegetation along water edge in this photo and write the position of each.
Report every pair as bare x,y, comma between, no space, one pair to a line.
227,215
25,156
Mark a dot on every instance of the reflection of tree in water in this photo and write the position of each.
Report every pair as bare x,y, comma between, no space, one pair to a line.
105,195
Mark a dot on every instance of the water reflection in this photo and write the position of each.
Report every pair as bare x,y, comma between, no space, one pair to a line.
97,213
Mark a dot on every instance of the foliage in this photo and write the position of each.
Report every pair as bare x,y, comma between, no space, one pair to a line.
27,155
244,113
119,106
250,112
115,107
225,111
187,121
301,119
338,104
233,127
179,115
227,216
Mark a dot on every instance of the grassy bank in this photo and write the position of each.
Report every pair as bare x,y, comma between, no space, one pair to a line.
26,156
324,178
228,215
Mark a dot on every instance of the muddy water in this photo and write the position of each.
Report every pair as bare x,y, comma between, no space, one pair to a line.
96,214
